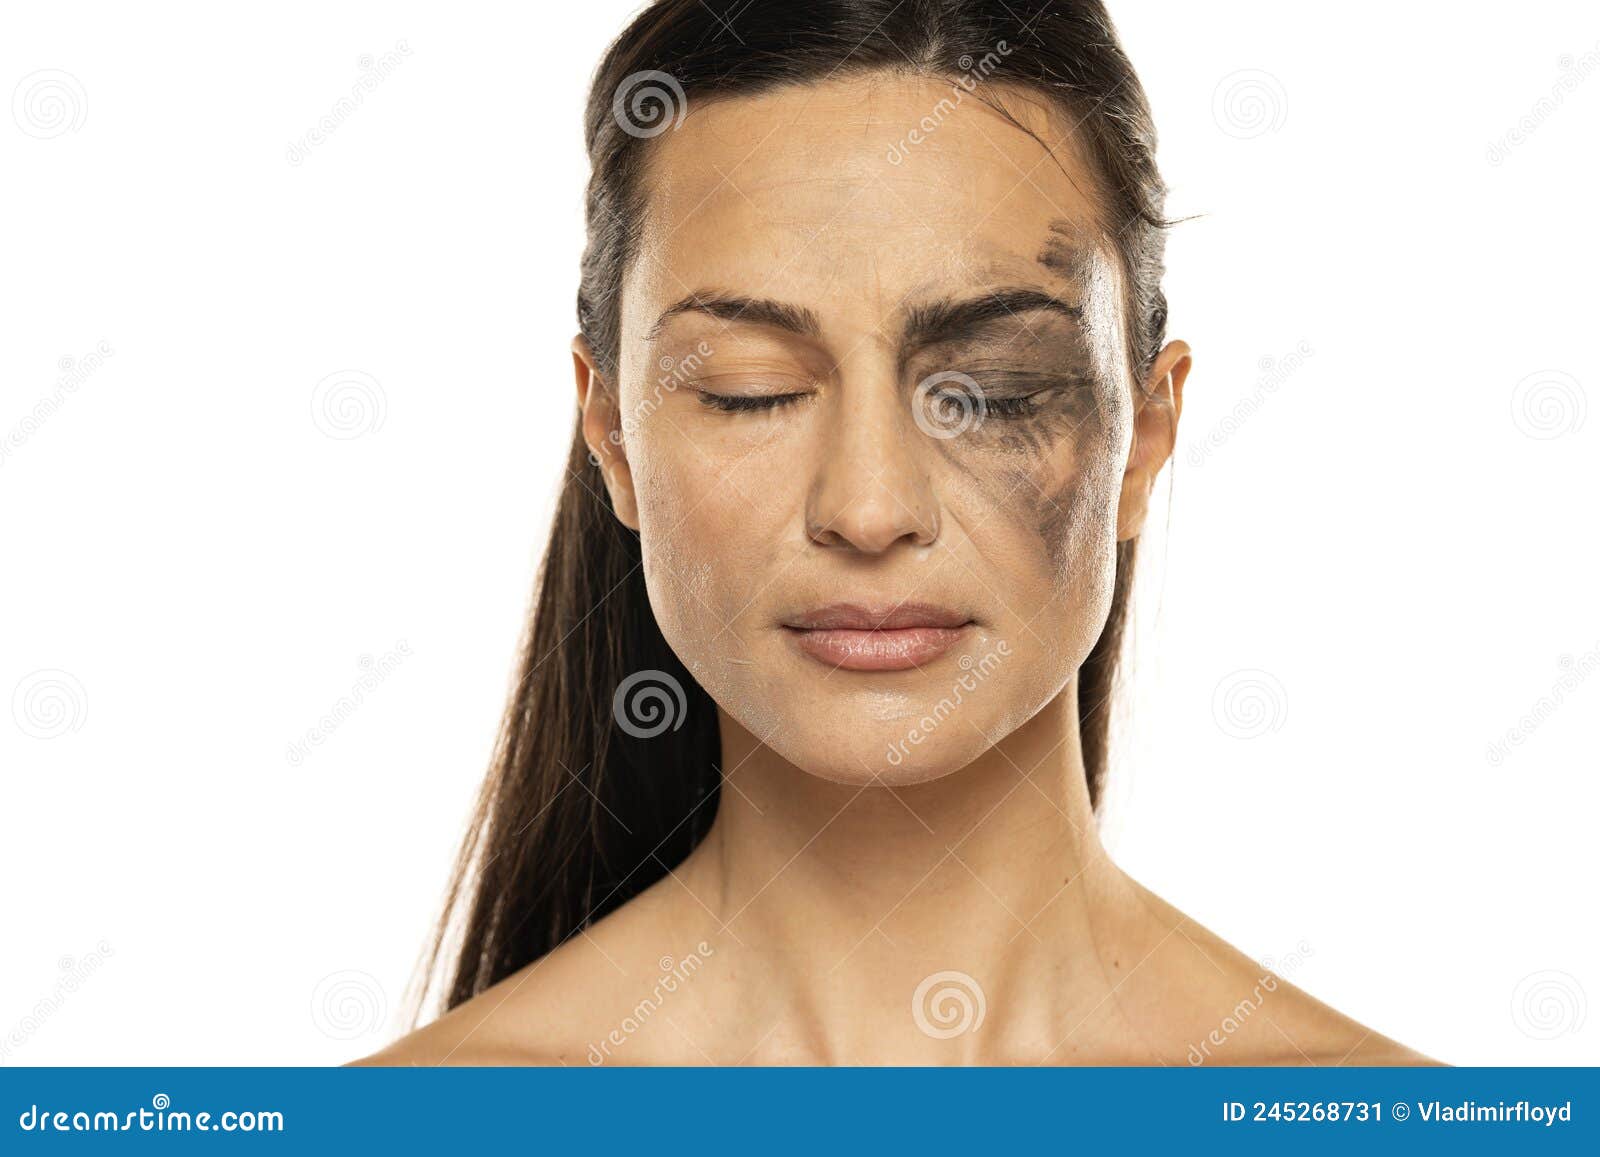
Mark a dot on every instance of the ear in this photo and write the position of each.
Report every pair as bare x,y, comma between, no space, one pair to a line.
602,433
1155,433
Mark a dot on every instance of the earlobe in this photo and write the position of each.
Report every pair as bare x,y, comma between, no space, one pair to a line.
602,433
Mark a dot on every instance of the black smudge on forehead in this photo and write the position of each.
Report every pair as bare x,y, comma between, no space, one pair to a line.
1067,251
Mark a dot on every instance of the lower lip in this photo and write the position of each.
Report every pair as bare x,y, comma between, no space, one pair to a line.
896,650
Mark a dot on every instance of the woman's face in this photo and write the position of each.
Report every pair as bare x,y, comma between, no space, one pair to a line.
872,353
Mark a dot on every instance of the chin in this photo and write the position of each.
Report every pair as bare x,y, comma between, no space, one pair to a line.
883,764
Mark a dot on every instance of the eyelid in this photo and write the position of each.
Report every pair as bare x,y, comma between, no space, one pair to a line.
722,393
1033,381
746,403
723,381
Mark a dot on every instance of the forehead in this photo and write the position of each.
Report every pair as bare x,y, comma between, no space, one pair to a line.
860,193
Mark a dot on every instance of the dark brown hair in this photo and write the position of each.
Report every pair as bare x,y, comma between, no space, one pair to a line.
578,815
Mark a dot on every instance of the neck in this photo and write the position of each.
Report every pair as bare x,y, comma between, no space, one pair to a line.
845,900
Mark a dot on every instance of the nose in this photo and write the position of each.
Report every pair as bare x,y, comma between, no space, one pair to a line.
871,487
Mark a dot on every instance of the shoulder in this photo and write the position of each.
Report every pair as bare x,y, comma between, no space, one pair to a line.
538,1015
518,1021
1230,1009
1370,1051
1378,1051
440,1044
566,1007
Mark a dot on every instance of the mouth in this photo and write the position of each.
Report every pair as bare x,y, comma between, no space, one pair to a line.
894,637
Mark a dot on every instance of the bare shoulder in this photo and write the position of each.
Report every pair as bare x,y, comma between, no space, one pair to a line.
1236,1010
561,1008
1377,1051
427,1048
518,1021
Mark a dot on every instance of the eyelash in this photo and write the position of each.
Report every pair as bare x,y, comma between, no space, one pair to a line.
1023,406
1019,407
746,403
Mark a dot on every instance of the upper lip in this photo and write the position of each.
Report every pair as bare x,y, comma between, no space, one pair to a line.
885,617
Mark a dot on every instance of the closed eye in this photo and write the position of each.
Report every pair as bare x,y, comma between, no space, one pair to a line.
1002,394
1022,407
745,403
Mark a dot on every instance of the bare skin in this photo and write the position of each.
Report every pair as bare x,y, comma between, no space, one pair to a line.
875,889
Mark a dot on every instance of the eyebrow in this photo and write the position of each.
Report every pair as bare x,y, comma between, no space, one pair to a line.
946,320
952,319
734,307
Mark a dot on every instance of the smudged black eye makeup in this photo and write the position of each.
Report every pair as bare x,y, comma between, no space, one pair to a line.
1017,355
1008,394
1013,396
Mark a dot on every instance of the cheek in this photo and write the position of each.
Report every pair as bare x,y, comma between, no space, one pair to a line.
679,516
706,549
1072,499
702,534
1051,486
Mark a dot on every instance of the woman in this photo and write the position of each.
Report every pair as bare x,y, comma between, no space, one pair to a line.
813,716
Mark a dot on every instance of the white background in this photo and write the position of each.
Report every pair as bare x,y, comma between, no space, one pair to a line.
1372,576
